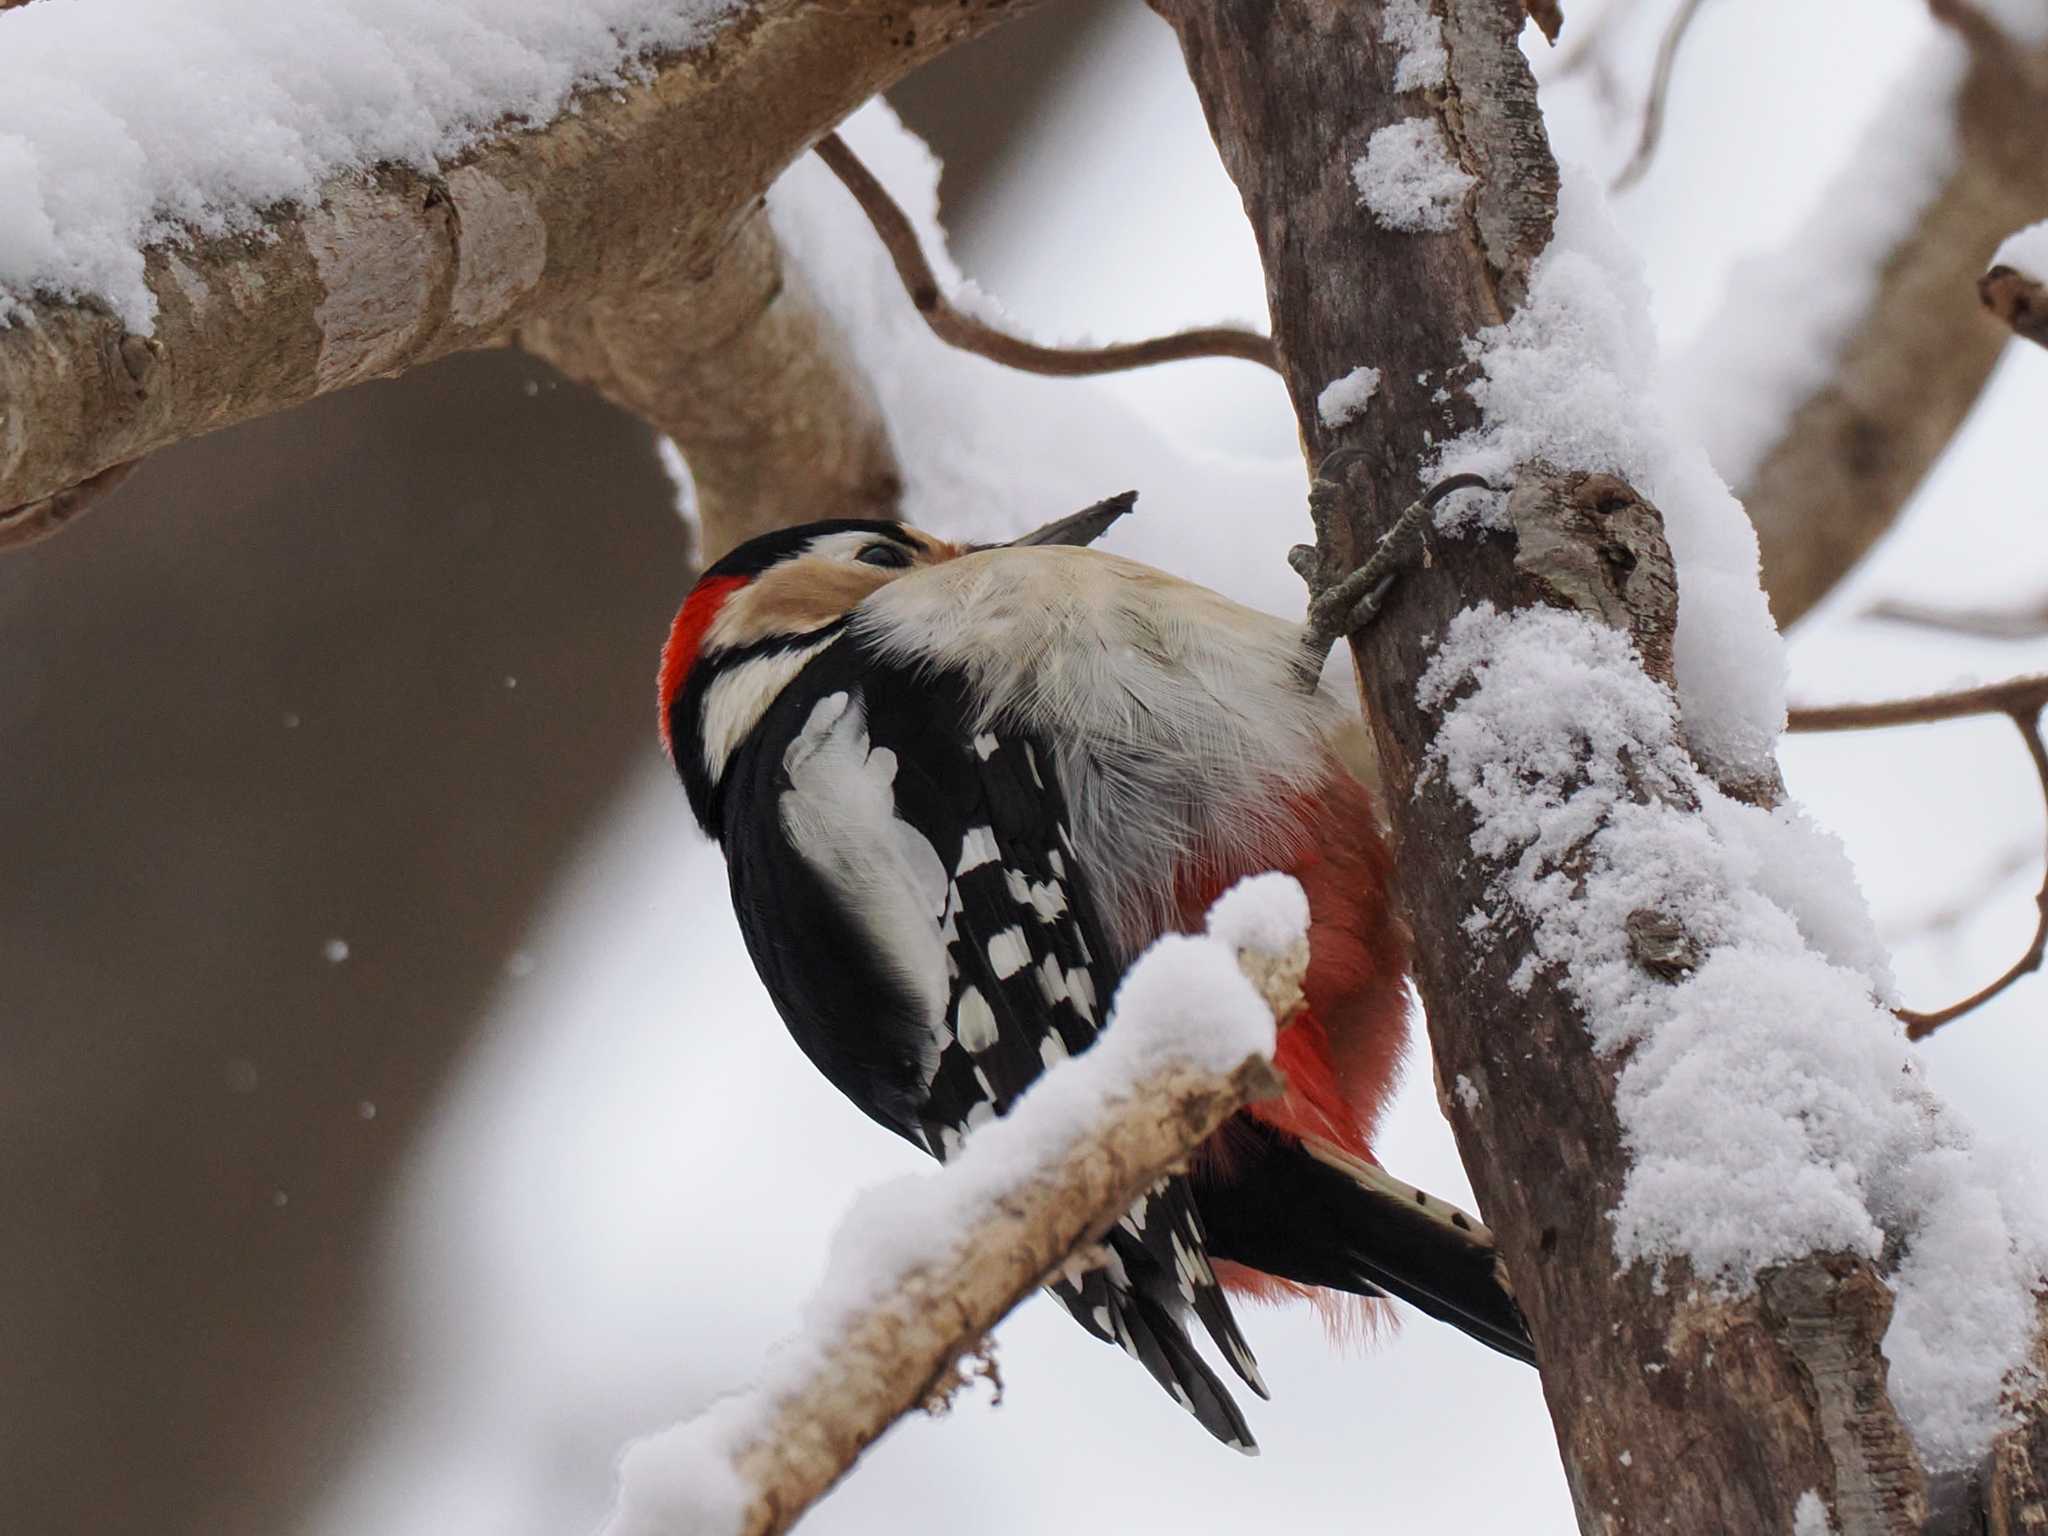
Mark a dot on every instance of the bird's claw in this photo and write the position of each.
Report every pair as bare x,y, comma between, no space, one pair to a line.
1340,606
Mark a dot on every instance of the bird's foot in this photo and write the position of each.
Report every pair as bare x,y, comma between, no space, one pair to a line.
1340,604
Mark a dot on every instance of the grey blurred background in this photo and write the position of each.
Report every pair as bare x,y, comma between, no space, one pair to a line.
359,675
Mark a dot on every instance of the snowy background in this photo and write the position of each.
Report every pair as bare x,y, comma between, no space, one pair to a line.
626,1198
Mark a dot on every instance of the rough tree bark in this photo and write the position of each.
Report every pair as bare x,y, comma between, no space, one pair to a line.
1851,456
1727,1411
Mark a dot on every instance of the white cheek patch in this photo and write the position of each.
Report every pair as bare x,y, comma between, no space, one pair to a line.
740,696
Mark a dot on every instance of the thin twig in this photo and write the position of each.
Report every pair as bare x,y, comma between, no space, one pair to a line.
2020,700
36,521
2014,695
1937,921
1977,623
1660,93
1589,45
961,330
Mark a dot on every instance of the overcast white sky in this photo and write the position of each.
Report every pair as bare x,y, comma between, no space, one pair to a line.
629,1194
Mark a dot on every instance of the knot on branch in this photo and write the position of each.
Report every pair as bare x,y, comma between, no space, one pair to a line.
1590,543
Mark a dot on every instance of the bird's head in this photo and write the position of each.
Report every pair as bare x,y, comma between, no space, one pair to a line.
757,615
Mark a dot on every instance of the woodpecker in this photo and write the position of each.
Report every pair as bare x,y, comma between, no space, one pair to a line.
960,789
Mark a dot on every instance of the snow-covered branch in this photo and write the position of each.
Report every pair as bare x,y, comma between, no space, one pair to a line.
246,253
1838,367
926,1267
1735,1219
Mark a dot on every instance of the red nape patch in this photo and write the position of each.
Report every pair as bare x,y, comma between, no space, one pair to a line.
686,635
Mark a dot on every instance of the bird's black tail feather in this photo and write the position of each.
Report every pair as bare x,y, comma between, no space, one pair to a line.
1312,1213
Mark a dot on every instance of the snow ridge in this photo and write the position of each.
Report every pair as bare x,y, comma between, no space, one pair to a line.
1572,378
1772,1107
125,123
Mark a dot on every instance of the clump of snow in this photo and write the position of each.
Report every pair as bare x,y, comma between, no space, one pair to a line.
1184,1003
683,1479
1771,1106
2026,252
1810,1516
129,122
1407,178
1414,29
1467,1091
1267,913
1345,399
1779,330
1804,868
1571,379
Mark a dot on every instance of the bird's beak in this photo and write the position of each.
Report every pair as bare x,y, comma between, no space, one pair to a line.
1083,527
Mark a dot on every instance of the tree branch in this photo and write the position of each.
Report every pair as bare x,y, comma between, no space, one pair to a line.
1745,1406
47,515
1652,129
638,191
2021,701
964,331
1845,461
1977,623
1061,1176
745,372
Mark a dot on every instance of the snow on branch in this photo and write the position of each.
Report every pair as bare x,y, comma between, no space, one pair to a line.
1838,367
925,1267
1755,1253
214,257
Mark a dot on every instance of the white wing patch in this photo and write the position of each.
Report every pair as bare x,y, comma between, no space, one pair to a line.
839,814
735,702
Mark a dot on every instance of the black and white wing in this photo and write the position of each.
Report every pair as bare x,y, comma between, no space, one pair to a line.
912,898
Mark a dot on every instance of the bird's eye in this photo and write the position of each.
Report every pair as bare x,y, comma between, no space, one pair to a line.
893,556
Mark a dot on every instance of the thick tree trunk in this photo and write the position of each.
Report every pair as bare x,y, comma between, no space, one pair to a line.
1673,1410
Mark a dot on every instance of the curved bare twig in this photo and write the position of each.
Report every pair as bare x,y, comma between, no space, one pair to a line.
961,330
1660,95
2029,623
2020,700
